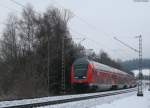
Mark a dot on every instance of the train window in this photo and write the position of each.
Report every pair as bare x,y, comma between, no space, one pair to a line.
80,71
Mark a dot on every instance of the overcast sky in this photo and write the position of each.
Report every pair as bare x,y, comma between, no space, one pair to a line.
99,21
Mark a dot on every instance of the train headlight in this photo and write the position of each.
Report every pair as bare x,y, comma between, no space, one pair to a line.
84,77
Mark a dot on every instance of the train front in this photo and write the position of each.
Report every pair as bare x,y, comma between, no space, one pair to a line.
81,74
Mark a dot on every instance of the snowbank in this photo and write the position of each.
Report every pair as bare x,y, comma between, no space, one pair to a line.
46,99
93,103
129,102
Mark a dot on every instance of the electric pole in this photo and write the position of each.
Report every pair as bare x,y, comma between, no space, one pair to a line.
139,93
149,81
63,75
48,61
63,86
49,77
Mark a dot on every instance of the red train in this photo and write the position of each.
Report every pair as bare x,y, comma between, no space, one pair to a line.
87,74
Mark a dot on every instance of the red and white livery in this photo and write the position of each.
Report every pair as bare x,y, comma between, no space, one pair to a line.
87,74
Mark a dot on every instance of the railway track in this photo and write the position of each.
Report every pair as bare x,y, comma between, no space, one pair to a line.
64,99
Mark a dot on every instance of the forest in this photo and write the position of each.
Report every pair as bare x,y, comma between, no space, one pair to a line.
133,64
31,53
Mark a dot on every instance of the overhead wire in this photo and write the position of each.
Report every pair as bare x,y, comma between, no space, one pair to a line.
21,5
18,3
130,47
8,8
87,23
98,43
84,21
81,19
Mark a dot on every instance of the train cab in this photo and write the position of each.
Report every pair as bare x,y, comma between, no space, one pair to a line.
80,69
81,74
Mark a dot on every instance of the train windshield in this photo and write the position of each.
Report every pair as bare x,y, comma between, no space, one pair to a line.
80,69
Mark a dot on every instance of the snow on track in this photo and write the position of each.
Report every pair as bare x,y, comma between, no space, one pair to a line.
91,102
129,102
46,99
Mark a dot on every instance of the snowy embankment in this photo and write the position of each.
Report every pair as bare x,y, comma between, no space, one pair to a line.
91,102
127,100
46,99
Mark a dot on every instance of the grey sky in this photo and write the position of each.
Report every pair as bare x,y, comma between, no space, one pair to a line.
99,21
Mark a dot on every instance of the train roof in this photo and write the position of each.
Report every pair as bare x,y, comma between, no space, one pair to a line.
99,66
81,61
103,67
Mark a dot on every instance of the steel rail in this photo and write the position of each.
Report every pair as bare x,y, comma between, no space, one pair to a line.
33,105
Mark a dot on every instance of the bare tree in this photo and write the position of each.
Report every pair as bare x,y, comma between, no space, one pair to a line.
27,28
9,39
28,43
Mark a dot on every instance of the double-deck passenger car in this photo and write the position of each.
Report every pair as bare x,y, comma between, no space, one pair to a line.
88,74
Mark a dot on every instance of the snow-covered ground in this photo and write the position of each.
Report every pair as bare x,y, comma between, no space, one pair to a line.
127,100
46,99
